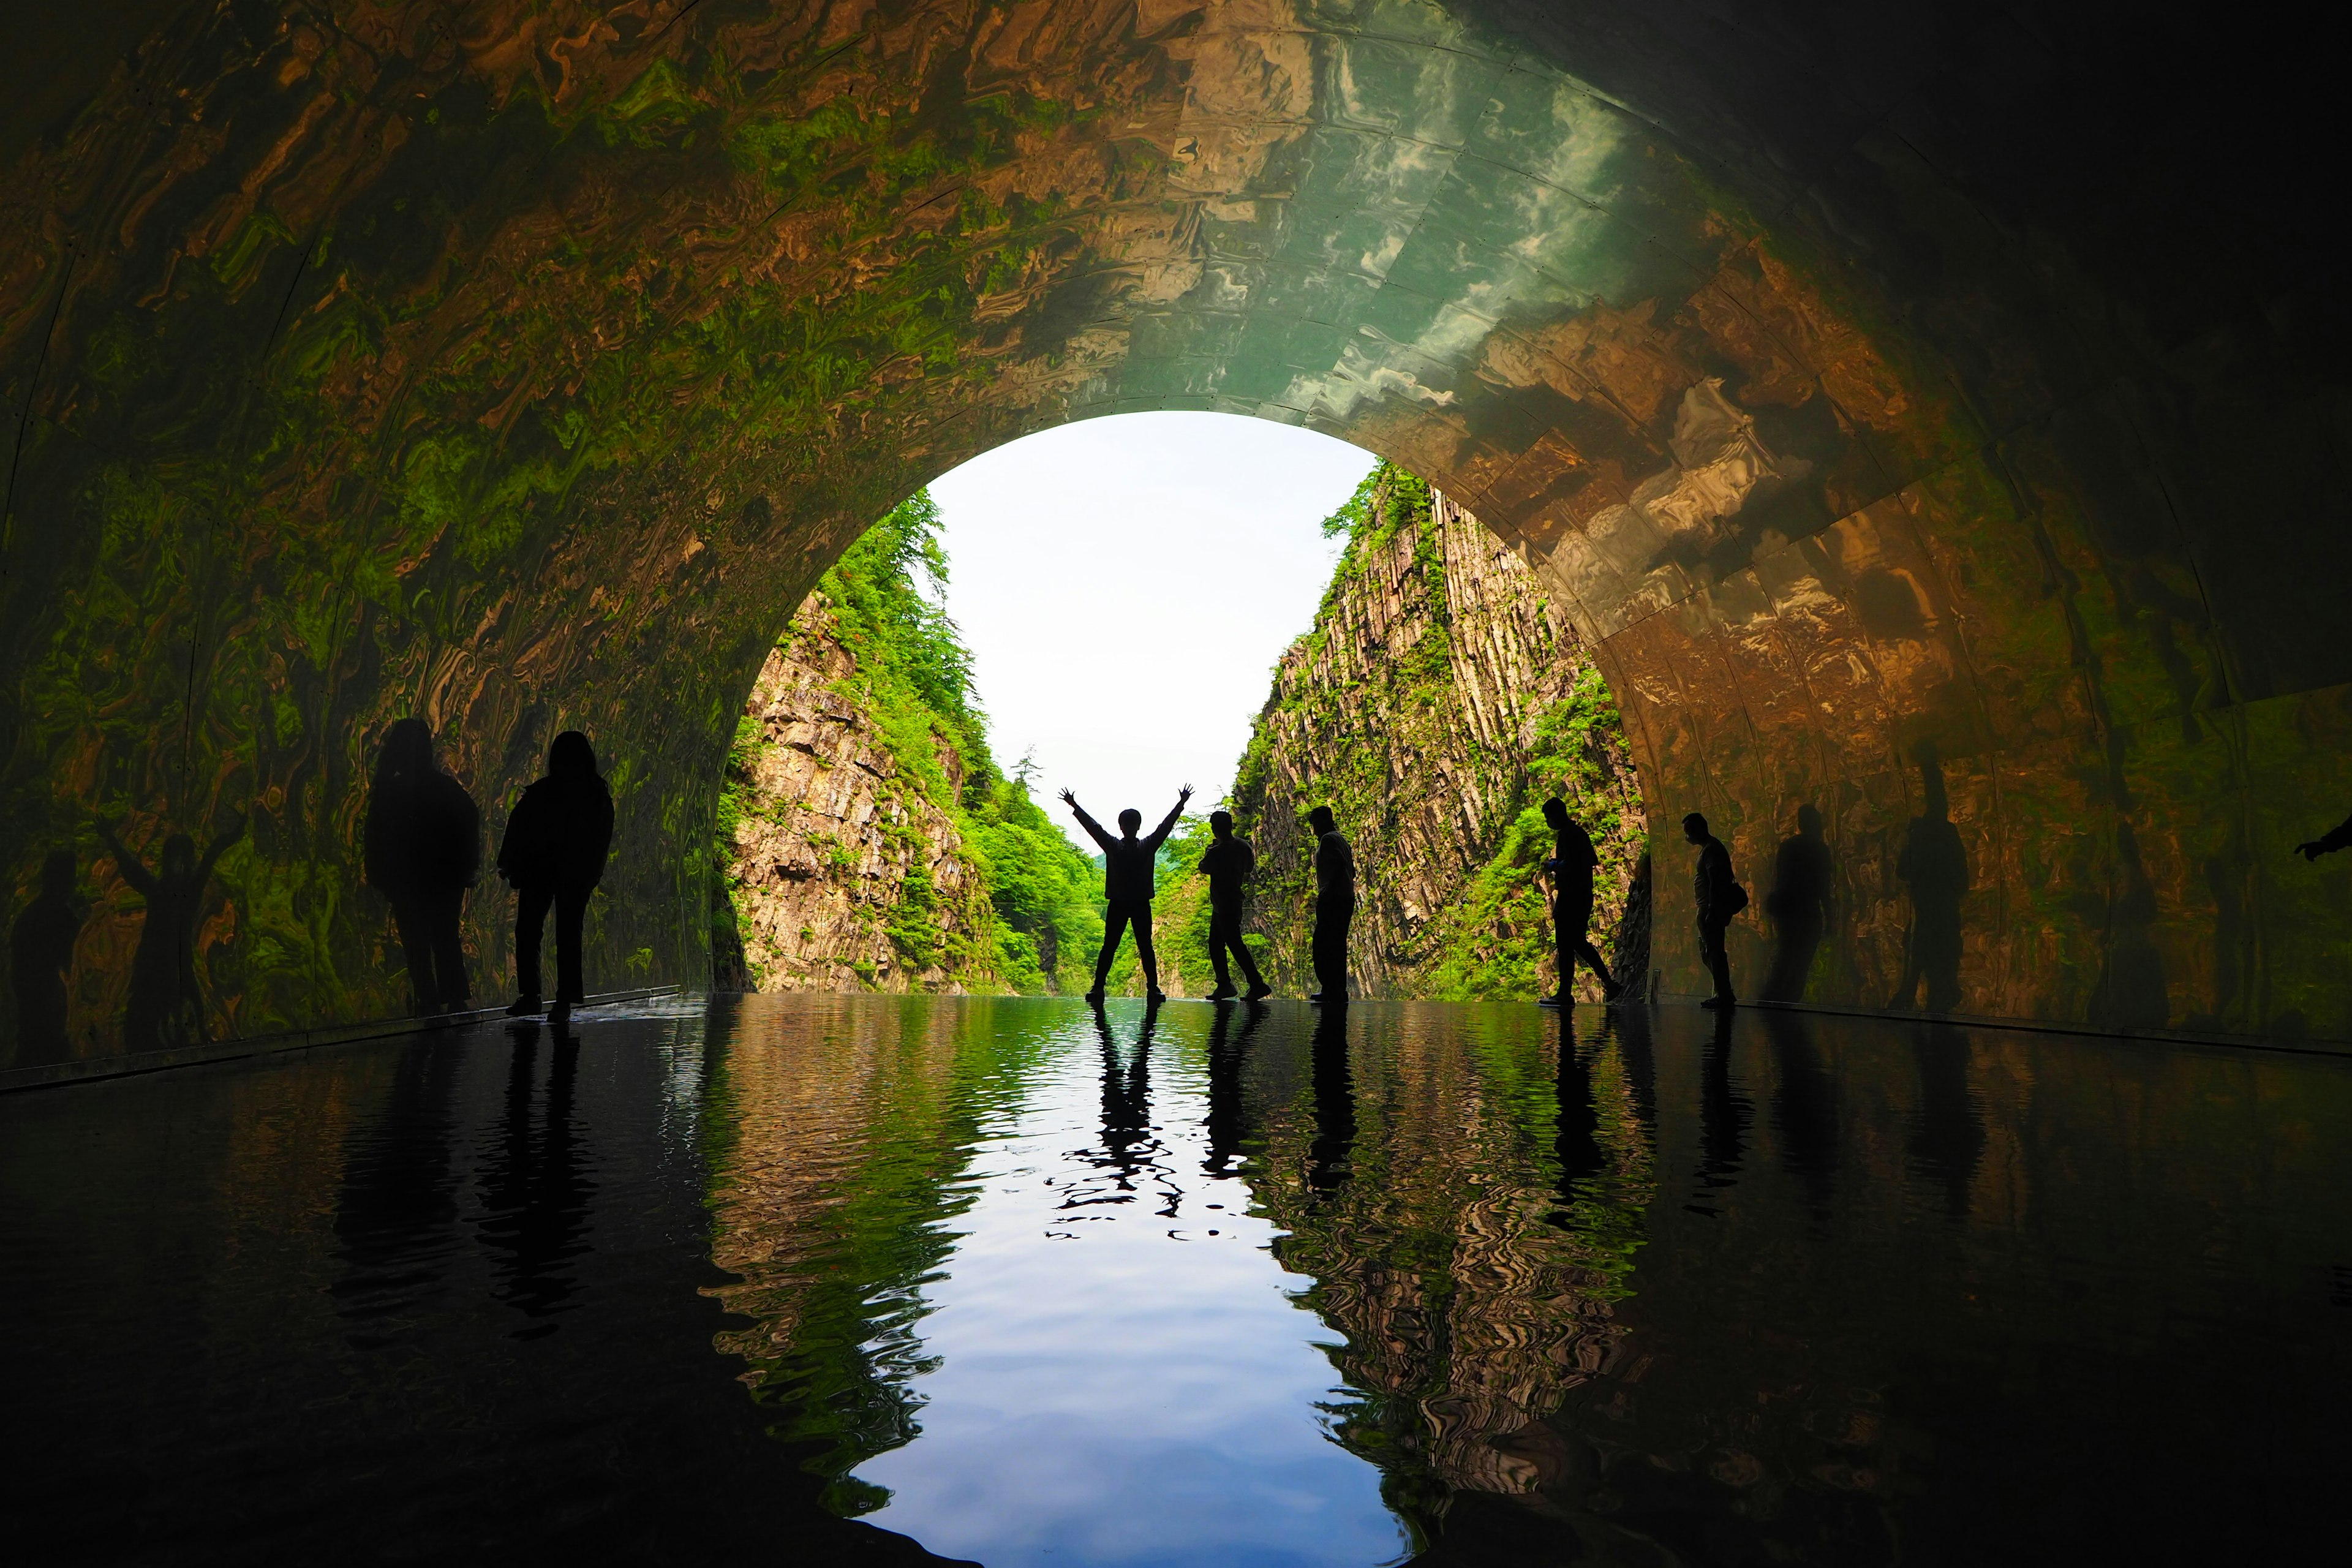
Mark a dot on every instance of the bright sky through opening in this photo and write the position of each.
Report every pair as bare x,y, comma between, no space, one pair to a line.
1125,586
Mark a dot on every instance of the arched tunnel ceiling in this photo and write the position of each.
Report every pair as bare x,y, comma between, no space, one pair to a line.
1961,379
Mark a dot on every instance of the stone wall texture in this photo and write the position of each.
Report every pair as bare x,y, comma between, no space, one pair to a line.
1933,414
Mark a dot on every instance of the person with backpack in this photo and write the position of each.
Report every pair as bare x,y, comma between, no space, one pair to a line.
1719,896
557,839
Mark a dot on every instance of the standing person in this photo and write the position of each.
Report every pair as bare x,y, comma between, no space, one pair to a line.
1228,863
1720,897
167,1006
554,853
1335,906
1799,904
1127,887
423,850
1571,866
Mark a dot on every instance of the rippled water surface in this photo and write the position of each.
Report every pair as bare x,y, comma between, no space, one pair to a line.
808,1280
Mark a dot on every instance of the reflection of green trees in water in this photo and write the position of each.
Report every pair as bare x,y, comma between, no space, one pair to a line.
1472,1284
836,1146
1472,1277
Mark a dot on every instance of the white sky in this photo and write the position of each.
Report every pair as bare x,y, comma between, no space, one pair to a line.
1126,585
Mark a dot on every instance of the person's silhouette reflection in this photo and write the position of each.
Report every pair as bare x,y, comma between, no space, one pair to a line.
1328,1155
1576,1141
1130,874
1723,1114
1334,906
40,959
535,1198
166,1006
1804,1109
2328,843
1629,1029
1948,1137
554,853
1799,904
1935,866
1571,866
423,850
395,1221
1127,1096
1227,863
1225,1123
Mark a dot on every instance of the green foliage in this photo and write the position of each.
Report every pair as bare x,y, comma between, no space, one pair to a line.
1036,926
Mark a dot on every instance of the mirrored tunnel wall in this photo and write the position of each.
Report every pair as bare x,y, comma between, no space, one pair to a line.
1860,386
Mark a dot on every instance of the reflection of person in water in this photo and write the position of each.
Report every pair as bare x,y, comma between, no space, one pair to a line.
1224,1122
40,952
167,1007
553,853
2328,843
424,849
1328,1155
1799,904
1571,866
1936,865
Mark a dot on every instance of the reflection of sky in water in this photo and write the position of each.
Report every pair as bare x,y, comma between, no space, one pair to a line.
1114,1383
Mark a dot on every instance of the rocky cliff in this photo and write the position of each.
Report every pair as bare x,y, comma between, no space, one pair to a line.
1437,700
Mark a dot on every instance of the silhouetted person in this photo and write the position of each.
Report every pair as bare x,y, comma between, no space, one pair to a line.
2338,838
1227,863
1937,868
1335,906
1799,904
554,853
1719,896
1328,1153
166,1006
1129,877
424,849
40,955
1571,866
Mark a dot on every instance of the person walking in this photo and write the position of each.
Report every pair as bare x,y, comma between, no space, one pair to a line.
422,849
1720,897
1335,906
1128,875
1227,864
557,839
1572,863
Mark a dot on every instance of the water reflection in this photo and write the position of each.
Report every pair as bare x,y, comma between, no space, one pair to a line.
1211,1286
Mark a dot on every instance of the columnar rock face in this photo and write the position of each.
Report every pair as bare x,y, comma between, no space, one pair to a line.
1922,416
1440,695
831,853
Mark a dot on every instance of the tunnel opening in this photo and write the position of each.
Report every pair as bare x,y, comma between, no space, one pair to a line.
453,375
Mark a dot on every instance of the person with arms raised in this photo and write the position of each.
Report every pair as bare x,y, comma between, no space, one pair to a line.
1127,867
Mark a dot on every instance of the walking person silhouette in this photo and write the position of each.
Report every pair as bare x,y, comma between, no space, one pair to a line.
1127,863
424,849
1571,866
557,839
1228,863
1720,897
1334,906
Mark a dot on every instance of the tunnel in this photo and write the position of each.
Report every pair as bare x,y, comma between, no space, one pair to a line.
1931,415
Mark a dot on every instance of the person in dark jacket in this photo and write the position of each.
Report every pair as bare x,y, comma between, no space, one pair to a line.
1128,867
422,845
1572,863
1227,864
1719,896
554,853
1334,906
1799,904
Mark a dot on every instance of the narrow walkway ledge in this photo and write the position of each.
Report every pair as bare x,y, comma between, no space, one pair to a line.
2300,1045
94,1068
